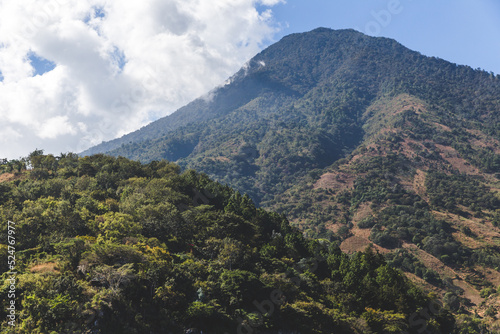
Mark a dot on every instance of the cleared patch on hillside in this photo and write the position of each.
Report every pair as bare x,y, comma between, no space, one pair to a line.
453,158
442,126
380,114
364,211
430,261
484,141
336,181
443,270
419,185
49,267
359,241
420,282
407,150
467,241
6,177
490,275
483,232
221,158
334,227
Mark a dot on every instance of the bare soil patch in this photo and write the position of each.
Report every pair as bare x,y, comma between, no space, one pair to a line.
364,211
221,158
451,155
49,267
442,126
6,177
419,184
336,181
359,241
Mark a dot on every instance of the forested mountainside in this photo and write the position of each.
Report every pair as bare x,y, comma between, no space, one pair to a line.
109,245
301,105
360,140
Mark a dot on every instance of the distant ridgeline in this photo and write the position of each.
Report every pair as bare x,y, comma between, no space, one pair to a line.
109,245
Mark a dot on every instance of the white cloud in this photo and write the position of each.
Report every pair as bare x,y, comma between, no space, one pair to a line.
55,127
119,64
7,134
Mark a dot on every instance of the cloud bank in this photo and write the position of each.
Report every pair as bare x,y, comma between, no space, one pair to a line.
75,73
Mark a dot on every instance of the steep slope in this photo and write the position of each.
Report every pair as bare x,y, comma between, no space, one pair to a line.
425,194
217,103
106,245
359,140
298,106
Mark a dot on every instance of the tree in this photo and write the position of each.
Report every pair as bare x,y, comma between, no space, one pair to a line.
116,225
115,278
35,158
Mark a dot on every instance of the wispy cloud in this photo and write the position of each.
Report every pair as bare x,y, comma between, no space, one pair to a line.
74,73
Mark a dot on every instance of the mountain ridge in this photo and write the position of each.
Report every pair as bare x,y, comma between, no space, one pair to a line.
187,114
287,77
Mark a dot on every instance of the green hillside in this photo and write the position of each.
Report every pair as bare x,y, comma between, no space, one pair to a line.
107,245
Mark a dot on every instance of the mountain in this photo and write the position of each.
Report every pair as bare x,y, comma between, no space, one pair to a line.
300,105
358,140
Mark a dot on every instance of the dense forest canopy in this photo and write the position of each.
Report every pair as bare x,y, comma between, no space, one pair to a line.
108,245
357,140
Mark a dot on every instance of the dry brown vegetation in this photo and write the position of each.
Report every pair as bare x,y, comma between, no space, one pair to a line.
336,181
48,267
6,177
453,157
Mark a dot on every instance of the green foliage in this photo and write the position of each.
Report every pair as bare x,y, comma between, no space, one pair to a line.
470,325
418,226
406,261
116,226
147,248
367,277
486,292
448,191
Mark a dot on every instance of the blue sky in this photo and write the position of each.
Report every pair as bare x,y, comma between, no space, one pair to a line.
40,65
461,31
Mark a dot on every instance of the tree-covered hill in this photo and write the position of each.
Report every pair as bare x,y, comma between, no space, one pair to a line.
358,140
108,245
